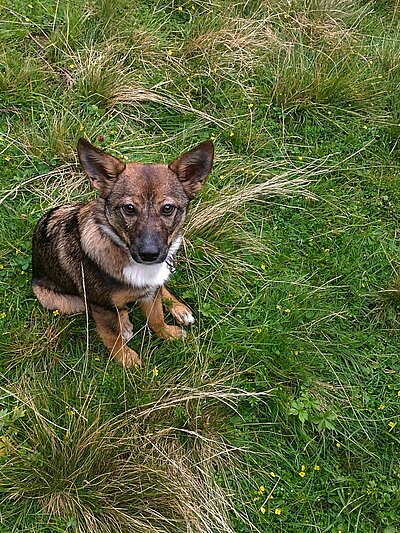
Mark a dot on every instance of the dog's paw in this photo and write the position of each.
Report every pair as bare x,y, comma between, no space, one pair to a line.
171,332
127,358
127,332
182,315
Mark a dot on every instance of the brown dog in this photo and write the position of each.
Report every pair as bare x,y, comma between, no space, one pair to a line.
119,248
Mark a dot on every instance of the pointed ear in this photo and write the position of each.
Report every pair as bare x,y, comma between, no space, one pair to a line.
102,169
193,167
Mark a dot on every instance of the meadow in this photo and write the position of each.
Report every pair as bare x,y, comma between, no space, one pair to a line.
280,411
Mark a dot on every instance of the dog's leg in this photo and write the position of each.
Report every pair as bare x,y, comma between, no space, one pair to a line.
154,314
114,328
180,311
64,303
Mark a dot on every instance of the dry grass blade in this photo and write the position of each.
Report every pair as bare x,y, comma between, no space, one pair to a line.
231,198
132,96
65,171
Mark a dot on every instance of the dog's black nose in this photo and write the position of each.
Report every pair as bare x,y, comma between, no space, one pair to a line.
149,254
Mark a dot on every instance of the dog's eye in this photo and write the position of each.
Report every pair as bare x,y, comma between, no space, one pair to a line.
167,209
129,209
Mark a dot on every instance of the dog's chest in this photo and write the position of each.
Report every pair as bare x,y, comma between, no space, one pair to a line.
140,276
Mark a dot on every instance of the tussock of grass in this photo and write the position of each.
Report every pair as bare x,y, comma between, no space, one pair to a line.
134,471
237,45
100,73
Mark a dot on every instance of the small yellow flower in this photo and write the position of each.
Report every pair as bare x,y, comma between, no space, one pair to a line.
231,134
180,8
56,312
303,467
278,511
7,158
300,158
30,6
295,352
27,19
3,314
250,105
262,266
41,115
392,424
125,157
338,445
329,112
259,330
169,52
287,311
381,407
262,510
1,267
279,307
212,137
365,127
155,372
398,393
302,474
261,488
71,66
222,177
81,128
97,358
256,498
272,474
317,468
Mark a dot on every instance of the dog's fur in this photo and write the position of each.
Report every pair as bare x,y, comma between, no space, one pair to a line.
120,247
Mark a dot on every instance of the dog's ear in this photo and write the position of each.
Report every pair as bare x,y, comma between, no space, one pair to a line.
193,167
102,169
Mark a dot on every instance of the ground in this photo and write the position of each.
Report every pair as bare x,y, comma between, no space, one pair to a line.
280,410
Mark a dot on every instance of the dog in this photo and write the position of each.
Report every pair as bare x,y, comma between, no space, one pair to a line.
119,248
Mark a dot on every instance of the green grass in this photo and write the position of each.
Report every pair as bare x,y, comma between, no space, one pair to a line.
281,410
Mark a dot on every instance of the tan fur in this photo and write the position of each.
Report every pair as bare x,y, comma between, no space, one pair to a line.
177,309
110,326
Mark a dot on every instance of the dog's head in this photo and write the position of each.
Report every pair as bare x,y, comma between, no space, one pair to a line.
146,204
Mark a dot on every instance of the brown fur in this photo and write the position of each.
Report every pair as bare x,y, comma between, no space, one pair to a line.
118,248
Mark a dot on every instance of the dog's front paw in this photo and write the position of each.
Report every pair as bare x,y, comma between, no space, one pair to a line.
182,314
126,357
171,332
127,332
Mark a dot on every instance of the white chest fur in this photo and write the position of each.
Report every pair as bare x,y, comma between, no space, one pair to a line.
139,275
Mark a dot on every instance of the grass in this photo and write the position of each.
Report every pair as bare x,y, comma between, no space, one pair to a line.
280,412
